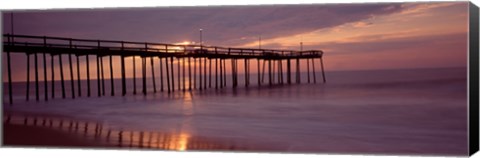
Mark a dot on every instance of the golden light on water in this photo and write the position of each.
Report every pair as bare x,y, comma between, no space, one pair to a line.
182,142
187,107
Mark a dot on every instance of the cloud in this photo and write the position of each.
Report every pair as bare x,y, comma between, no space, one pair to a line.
362,24
417,9
455,42
222,25
447,50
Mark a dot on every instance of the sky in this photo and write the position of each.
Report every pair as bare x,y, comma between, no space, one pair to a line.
367,36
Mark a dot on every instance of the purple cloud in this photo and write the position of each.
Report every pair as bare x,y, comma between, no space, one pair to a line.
222,25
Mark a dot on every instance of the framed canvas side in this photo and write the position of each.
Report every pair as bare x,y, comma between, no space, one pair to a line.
473,84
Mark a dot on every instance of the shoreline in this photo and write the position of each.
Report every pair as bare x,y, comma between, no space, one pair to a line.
44,130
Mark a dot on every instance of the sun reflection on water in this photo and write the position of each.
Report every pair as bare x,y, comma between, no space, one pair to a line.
187,107
182,142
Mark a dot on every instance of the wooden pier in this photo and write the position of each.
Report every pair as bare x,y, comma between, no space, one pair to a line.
167,55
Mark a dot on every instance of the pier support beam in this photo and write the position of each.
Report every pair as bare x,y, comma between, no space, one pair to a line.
52,68
72,81
221,73
279,71
233,72
246,72
61,75
273,71
99,91
323,72
258,72
178,74
161,74
124,85
112,86
168,75
209,73
183,75
308,70
200,74
134,76
173,76
313,72
263,70
144,75
78,77
224,73
205,73
152,65
270,72
189,74
28,77
298,71
88,75
9,66
103,76
216,72
36,78
45,81
234,85
194,73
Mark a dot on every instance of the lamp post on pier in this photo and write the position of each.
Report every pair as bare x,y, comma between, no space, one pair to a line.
201,40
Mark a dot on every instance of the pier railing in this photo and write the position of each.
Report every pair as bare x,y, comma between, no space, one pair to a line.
79,46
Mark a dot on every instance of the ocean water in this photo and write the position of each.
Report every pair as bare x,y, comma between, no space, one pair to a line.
415,111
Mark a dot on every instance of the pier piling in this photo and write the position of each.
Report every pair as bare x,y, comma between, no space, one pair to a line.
103,76
71,76
53,73
144,76
61,75
28,77
152,65
78,77
88,75
45,81
161,74
189,75
124,84
183,75
112,87
9,66
323,72
173,76
178,75
36,78
168,75
98,77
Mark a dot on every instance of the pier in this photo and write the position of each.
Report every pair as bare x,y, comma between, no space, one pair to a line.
209,73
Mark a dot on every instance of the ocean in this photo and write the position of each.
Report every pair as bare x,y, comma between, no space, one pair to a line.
404,111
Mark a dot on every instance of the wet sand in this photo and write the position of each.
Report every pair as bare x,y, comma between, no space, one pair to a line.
45,130
37,136
21,135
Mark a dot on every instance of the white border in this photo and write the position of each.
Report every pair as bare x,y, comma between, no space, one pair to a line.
49,4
